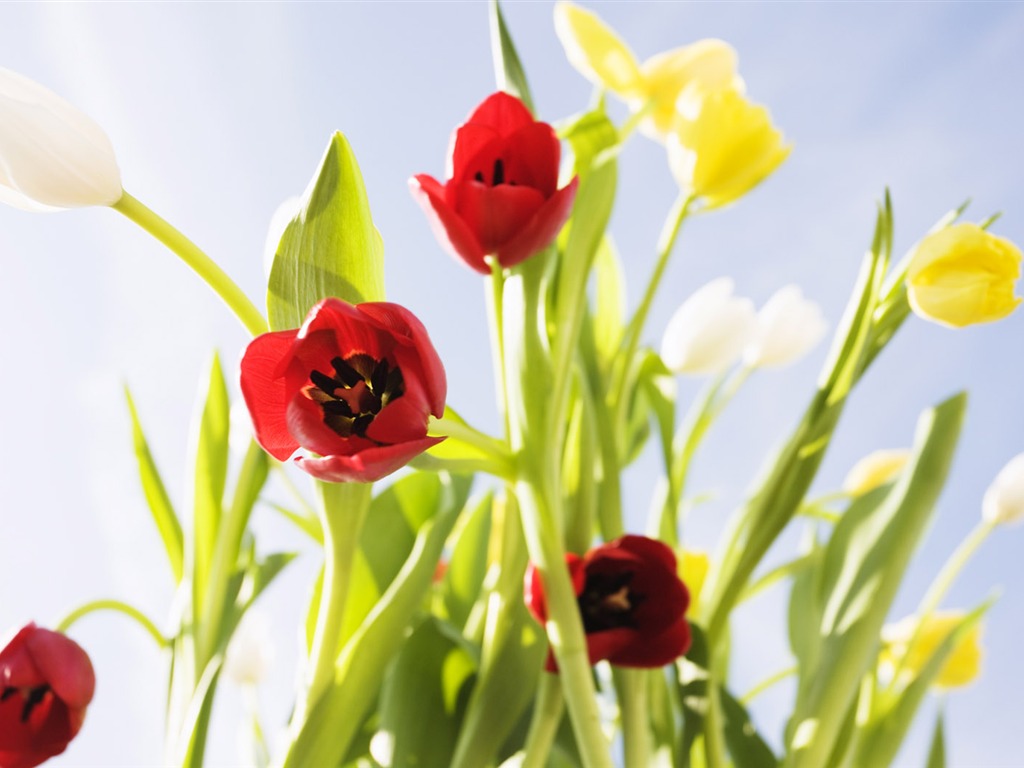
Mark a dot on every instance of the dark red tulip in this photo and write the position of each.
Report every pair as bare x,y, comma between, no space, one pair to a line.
631,600
356,385
502,195
46,682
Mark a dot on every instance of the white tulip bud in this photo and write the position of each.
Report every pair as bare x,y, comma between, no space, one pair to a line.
874,470
708,332
251,651
788,327
52,156
1004,499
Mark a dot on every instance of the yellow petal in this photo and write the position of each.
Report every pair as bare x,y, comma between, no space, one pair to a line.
596,51
687,73
693,570
875,469
961,666
727,148
962,275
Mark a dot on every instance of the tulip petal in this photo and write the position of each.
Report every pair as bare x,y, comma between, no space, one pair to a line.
468,141
368,465
542,229
64,665
497,214
265,393
502,112
451,231
596,52
533,154
655,650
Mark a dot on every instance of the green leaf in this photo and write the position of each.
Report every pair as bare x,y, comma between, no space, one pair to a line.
211,467
862,569
331,248
804,606
425,694
609,302
692,689
593,138
937,752
156,496
468,564
747,748
508,71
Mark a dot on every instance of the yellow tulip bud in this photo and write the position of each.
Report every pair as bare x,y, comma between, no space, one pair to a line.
725,149
693,570
961,666
963,275
596,51
875,469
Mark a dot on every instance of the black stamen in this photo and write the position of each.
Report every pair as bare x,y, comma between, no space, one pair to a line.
324,382
338,408
345,372
8,692
607,602
499,172
479,176
35,697
379,379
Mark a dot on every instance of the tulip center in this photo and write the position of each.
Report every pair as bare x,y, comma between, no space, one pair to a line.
607,602
352,397
497,175
33,697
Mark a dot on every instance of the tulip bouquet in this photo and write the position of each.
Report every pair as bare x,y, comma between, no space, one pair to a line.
491,600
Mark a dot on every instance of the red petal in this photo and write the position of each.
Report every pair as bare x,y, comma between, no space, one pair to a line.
646,549
306,424
400,421
64,665
610,643
468,142
368,465
498,214
542,229
352,334
451,231
265,391
656,650
502,112
531,157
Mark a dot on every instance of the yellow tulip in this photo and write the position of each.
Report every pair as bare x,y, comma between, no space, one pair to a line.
725,149
961,666
963,275
875,469
662,85
693,570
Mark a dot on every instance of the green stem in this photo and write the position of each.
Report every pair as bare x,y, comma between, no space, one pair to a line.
767,683
496,324
714,729
343,511
669,233
631,685
115,605
459,430
201,264
547,715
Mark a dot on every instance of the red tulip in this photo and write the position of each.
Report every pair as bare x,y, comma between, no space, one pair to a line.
46,682
631,600
355,384
502,197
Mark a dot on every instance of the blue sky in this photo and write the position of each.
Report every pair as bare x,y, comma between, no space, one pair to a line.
219,112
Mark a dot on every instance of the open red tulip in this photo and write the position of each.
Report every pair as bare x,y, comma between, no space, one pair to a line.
356,385
502,195
631,600
46,682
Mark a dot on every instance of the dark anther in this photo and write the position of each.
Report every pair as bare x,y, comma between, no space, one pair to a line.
324,382
349,409
479,176
8,692
379,377
499,172
35,698
346,372
607,602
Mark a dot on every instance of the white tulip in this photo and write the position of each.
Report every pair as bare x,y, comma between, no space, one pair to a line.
1004,499
251,651
708,332
874,470
788,327
51,155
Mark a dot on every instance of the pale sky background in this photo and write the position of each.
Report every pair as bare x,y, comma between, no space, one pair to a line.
219,112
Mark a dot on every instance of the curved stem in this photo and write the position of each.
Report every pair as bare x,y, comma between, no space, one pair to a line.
547,716
459,430
767,683
200,263
115,605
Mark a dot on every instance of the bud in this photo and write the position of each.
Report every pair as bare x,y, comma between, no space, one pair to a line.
961,666
788,327
251,651
51,155
708,332
874,470
1004,499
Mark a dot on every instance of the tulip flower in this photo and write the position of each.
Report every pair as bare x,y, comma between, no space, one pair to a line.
875,470
46,683
356,384
502,197
961,666
661,85
251,650
788,327
724,148
709,331
962,275
1004,499
51,155
631,600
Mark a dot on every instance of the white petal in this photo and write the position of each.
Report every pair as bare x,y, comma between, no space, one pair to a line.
1004,499
251,651
282,217
709,330
788,327
51,155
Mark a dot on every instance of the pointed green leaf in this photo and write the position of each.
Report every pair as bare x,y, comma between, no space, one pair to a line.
609,301
467,567
156,495
747,748
331,248
210,451
937,752
508,71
